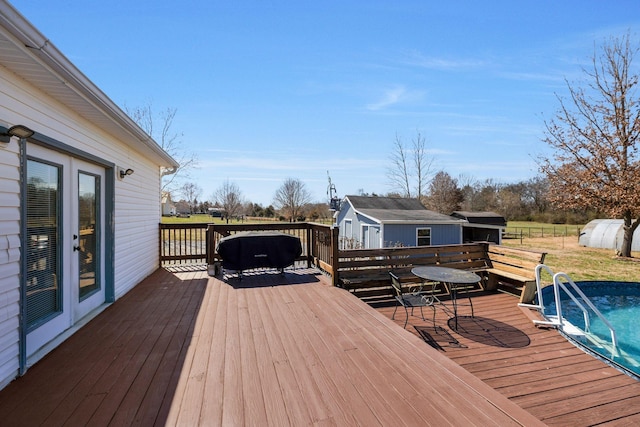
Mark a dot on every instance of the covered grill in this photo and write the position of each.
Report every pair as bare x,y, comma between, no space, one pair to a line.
263,249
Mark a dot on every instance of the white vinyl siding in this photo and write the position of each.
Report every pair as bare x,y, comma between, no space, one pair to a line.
137,213
9,261
136,210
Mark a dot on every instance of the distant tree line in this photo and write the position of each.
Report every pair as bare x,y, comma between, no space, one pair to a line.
291,202
526,200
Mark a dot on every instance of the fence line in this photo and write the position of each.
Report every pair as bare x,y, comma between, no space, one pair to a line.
554,231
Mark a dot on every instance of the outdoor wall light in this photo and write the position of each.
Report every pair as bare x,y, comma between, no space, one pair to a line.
125,172
19,131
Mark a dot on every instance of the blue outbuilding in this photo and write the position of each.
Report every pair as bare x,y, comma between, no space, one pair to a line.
376,222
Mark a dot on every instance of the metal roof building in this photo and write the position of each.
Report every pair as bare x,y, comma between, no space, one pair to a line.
607,234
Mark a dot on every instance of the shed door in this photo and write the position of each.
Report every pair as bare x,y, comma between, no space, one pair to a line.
64,274
371,237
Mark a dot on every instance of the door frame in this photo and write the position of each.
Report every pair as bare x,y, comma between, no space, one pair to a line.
109,230
83,306
366,229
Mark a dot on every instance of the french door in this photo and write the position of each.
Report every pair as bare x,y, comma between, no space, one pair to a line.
64,247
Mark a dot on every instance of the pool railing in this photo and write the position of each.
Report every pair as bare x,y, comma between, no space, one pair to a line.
564,282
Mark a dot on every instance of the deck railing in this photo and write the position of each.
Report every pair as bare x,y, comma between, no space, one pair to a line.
183,244
196,243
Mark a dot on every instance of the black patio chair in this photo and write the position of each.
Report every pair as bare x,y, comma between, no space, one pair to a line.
412,299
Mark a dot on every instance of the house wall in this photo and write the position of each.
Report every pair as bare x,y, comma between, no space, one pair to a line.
405,234
349,235
136,209
356,224
9,261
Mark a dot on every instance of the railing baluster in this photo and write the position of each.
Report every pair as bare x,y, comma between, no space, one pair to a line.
189,243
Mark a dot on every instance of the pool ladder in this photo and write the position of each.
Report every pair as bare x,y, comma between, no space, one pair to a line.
560,281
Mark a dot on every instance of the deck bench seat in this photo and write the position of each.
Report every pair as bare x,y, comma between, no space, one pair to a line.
365,272
513,270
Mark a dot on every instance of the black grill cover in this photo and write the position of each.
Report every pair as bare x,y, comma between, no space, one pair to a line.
256,249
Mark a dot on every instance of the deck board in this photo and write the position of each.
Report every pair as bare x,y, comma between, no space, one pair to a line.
534,367
187,349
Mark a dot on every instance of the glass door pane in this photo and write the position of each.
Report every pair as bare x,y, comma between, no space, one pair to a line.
88,226
43,294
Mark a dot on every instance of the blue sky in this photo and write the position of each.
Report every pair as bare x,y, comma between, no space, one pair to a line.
269,90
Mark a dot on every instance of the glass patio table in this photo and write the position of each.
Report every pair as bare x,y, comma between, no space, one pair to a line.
452,278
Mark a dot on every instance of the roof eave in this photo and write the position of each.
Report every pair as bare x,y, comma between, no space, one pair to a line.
40,49
422,222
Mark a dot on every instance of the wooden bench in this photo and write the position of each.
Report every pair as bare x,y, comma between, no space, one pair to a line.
513,270
365,272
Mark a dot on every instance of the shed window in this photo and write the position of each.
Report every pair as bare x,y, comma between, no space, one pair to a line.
423,237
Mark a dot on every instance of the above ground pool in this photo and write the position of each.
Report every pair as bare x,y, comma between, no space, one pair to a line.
619,302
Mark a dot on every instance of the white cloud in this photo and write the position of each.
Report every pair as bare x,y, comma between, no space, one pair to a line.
417,59
396,95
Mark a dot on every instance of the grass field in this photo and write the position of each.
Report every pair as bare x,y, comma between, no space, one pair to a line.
203,218
564,254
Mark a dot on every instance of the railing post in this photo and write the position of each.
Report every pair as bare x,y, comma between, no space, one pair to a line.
335,279
210,250
207,249
310,244
160,244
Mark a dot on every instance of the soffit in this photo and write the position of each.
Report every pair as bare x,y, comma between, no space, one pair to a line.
25,52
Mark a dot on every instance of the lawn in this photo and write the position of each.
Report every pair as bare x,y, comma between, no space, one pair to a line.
193,219
207,219
564,254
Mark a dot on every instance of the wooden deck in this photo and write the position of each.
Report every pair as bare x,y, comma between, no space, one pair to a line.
186,349
534,367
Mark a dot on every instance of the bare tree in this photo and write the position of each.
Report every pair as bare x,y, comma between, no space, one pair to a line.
410,167
444,195
468,186
398,172
487,196
229,197
595,136
421,164
191,193
536,192
169,140
511,201
291,198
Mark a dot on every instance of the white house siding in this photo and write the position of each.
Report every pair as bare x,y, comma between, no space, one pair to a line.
9,262
137,201
137,215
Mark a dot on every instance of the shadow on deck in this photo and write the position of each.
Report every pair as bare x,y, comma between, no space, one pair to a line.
183,348
534,367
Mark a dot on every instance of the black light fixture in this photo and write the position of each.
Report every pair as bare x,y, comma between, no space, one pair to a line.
19,131
125,172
